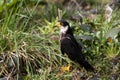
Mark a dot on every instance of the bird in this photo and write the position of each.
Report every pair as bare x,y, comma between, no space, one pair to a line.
69,45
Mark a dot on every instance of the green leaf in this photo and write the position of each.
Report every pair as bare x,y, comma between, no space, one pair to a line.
1,8
1,2
85,27
113,32
84,37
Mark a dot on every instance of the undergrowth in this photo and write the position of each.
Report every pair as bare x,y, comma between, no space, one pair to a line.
29,44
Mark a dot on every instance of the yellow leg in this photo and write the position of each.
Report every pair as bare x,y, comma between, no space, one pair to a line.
66,68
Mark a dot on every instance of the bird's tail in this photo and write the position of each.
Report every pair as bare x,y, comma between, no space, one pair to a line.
86,65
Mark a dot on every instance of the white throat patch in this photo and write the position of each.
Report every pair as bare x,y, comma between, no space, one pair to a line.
63,29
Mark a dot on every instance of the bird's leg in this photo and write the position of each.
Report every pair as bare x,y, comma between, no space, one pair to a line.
66,68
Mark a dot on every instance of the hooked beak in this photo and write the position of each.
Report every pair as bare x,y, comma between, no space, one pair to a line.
58,24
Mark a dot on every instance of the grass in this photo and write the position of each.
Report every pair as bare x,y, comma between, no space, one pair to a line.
29,45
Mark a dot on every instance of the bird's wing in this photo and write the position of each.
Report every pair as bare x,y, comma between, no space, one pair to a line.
70,47
75,42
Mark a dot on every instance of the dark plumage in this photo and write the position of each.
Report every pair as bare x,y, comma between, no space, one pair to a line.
70,46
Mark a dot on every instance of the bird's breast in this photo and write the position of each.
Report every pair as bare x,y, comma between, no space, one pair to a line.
64,40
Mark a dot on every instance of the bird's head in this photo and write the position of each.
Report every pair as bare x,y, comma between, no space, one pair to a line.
64,27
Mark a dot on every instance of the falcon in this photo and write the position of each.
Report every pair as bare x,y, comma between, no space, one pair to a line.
69,45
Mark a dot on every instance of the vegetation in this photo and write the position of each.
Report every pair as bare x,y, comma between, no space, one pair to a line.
29,42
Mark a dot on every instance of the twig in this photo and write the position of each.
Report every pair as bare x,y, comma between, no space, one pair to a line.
59,14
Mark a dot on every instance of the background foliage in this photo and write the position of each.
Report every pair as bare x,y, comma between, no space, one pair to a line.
29,40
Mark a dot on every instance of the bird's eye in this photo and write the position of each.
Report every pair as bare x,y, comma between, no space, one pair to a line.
61,24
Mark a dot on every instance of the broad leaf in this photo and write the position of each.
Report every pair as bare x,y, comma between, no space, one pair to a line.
113,32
